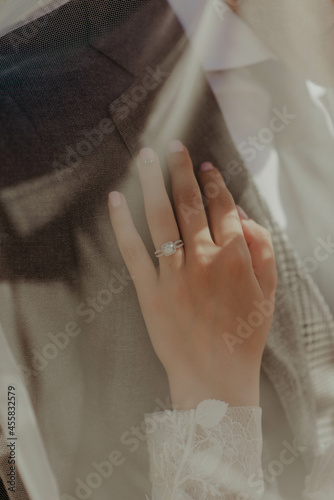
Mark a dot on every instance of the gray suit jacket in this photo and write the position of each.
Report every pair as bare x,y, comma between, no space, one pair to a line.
78,99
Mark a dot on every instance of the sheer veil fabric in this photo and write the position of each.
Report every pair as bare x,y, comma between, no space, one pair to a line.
73,73
16,13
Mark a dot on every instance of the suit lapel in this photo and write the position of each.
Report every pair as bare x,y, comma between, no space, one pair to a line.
146,35
162,105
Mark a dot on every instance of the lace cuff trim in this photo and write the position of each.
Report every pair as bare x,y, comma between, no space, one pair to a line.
208,453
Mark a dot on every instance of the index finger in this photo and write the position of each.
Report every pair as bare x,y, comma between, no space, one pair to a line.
132,248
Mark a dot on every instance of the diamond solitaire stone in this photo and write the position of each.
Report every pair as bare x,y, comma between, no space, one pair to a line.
168,248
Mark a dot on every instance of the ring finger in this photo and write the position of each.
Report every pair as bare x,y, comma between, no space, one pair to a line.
158,208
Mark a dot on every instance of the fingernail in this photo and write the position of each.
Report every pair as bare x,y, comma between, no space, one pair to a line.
115,199
146,155
242,213
175,147
206,166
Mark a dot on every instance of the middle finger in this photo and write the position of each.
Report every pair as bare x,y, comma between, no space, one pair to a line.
187,196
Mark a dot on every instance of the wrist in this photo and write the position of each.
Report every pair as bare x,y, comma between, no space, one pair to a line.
187,395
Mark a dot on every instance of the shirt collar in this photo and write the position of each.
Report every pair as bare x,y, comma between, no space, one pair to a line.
224,29
222,39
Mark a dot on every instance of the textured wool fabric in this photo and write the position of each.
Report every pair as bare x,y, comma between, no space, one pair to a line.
59,253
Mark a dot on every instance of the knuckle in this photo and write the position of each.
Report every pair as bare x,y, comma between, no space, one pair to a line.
161,217
265,234
188,196
215,188
236,257
227,200
201,264
266,242
261,234
130,251
201,267
234,221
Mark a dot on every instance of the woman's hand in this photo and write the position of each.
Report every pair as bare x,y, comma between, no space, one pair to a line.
207,307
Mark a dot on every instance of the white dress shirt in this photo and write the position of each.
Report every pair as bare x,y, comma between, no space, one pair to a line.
295,178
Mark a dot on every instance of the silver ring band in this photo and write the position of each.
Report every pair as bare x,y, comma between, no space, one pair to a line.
168,248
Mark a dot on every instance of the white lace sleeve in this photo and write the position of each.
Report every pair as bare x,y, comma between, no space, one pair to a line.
205,454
